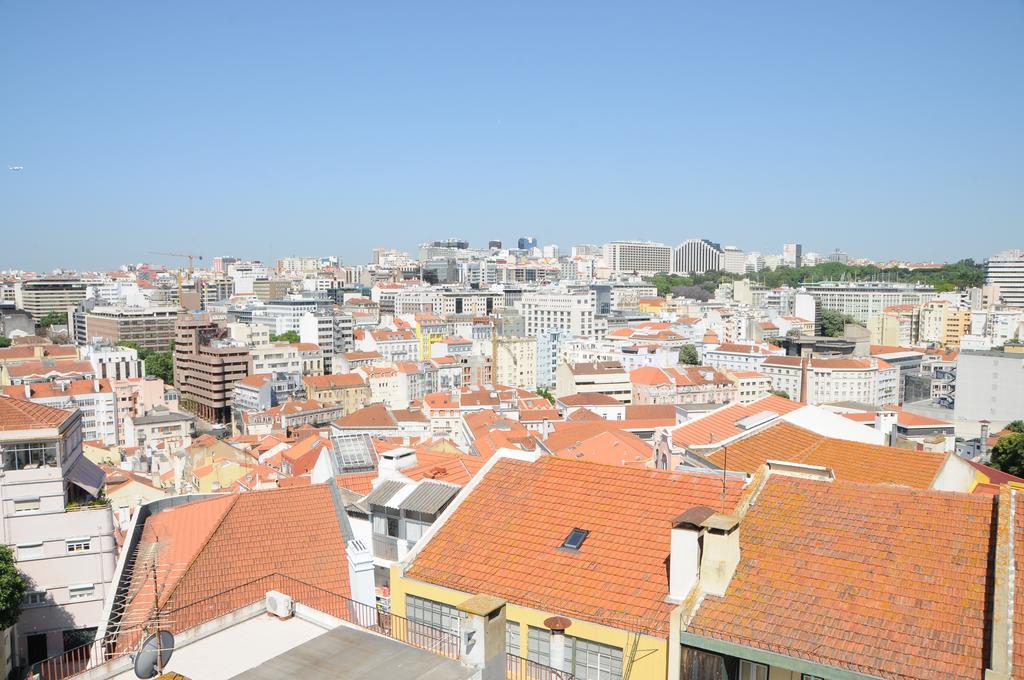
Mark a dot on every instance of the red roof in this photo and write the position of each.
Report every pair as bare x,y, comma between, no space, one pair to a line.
884,581
526,511
720,424
16,414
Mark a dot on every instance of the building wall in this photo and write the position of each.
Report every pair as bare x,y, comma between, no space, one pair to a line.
650,662
989,386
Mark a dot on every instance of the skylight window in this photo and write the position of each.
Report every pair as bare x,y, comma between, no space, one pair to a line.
575,539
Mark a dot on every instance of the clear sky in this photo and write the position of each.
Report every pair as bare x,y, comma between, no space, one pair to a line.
260,129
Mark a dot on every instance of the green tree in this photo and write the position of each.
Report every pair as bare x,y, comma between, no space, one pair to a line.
779,393
53,319
5,341
1008,454
832,323
287,336
1016,426
12,589
546,393
161,364
688,355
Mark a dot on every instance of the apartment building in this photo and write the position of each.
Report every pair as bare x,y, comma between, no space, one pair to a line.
638,257
62,539
40,297
348,390
206,366
739,356
605,377
698,387
821,381
112,362
861,301
989,385
572,313
151,328
1005,271
94,398
516,362
279,357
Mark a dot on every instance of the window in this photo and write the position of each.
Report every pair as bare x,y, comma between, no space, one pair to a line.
538,645
753,671
806,676
78,544
26,505
512,638
431,613
575,539
415,530
27,551
29,455
81,592
591,660
34,598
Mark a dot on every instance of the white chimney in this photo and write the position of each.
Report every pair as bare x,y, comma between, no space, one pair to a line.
684,555
483,636
556,641
721,553
392,462
885,422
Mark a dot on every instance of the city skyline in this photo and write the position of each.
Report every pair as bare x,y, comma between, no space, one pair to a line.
863,128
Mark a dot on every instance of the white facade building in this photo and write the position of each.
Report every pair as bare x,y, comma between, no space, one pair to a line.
697,256
572,313
1006,270
641,257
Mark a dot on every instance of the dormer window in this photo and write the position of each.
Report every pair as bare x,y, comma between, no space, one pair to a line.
575,539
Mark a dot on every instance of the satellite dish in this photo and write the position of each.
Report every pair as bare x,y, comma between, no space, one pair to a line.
146,660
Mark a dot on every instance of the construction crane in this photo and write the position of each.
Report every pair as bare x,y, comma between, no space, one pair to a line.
190,257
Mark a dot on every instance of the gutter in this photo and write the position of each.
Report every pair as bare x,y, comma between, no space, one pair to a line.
771,658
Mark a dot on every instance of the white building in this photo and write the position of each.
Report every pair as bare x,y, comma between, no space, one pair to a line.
94,398
64,546
734,260
114,362
792,255
1006,270
572,313
277,357
866,381
739,356
697,256
517,362
865,300
640,257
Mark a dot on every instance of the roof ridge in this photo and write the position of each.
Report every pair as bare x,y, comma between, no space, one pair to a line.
203,546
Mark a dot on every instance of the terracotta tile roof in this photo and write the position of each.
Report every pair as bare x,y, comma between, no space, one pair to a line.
611,447
361,356
59,366
651,412
45,390
597,368
618,574
17,414
304,454
590,399
359,482
444,467
333,381
374,416
582,414
1018,584
850,461
440,400
720,424
880,580
256,380
209,547
737,348
905,418
306,346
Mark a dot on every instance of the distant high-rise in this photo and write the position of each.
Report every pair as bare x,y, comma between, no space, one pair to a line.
734,260
838,256
1006,270
792,255
697,256
527,242
642,257
494,245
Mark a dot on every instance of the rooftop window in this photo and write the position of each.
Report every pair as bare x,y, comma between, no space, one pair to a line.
575,539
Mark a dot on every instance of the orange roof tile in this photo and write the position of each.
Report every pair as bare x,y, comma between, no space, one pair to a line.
612,447
374,416
720,424
359,482
333,381
16,414
850,461
884,581
619,571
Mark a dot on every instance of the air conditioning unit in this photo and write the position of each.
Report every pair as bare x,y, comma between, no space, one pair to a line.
279,604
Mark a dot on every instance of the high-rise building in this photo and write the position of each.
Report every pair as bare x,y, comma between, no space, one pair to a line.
838,256
641,257
40,297
494,245
151,328
527,242
207,366
697,256
1006,271
571,313
734,260
792,255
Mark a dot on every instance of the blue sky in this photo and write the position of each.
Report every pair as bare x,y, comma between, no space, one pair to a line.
260,129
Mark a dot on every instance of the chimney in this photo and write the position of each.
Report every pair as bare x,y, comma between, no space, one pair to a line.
28,391
720,554
983,439
803,380
885,422
556,643
684,555
392,462
361,581
483,636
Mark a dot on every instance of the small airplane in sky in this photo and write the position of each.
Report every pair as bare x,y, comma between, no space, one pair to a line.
15,168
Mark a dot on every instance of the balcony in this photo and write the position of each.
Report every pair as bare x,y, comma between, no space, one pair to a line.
385,547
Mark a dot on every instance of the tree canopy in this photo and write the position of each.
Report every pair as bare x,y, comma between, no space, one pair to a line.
53,319
4,341
159,364
1016,426
287,336
12,588
688,355
833,324
1008,454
